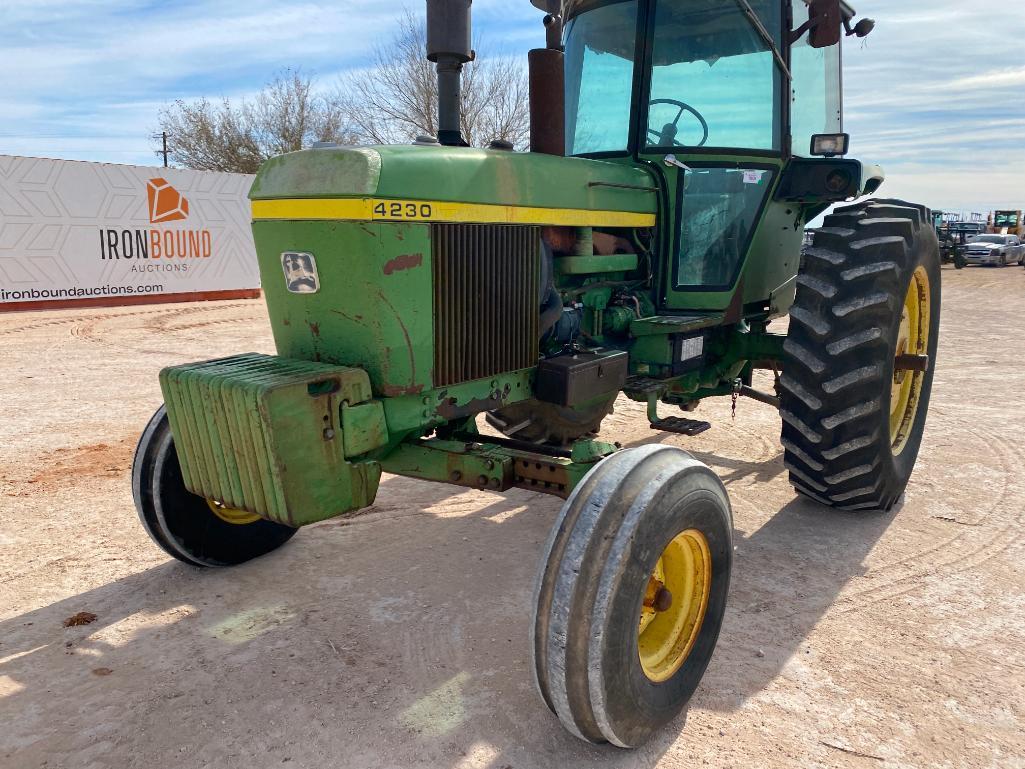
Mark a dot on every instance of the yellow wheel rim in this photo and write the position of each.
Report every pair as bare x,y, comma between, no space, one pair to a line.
912,339
675,602
231,515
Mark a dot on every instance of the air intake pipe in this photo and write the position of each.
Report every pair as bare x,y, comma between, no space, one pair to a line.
547,85
448,46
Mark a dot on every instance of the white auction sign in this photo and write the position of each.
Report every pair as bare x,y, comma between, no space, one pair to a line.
74,233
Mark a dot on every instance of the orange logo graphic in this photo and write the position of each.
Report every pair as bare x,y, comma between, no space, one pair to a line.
166,204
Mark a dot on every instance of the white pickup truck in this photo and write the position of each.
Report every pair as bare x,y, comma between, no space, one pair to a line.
999,250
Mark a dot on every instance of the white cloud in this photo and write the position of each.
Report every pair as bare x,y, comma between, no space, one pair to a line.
1000,78
934,95
89,76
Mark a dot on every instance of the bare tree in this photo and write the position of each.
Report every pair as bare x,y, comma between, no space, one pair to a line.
285,116
396,98
393,101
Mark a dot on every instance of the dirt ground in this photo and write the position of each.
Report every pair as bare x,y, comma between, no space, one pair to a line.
399,638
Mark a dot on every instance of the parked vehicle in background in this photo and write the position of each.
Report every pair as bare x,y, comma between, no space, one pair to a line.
952,244
809,239
968,228
999,250
1008,223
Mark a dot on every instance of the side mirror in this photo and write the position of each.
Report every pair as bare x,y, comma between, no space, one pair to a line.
825,23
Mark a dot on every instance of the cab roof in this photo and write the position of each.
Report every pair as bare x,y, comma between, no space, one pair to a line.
568,7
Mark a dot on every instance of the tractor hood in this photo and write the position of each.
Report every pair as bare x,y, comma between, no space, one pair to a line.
458,174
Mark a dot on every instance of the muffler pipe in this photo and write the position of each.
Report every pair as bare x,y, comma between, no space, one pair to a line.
448,46
547,87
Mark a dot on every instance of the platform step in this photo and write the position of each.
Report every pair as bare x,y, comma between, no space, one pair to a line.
681,425
642,385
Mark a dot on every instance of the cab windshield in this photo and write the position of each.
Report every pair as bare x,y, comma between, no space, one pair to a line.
714,78
715,81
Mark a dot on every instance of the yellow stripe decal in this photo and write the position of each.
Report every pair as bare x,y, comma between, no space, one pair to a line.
389,210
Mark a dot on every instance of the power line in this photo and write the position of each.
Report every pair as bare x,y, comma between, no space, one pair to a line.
63,136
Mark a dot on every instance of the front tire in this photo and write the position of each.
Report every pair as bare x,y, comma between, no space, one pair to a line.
615,657
188,527
868,292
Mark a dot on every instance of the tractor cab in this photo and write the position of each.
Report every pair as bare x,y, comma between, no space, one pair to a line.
1008,223
645,76
727,103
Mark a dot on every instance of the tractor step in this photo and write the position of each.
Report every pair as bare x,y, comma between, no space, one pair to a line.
644,386
681,425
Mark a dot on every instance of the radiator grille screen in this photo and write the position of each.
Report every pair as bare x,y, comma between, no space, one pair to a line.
486,301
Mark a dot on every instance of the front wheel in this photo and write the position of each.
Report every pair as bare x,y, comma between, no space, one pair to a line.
194,530
631,593
860,354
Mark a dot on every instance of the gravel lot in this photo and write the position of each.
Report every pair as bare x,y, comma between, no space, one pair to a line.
399,638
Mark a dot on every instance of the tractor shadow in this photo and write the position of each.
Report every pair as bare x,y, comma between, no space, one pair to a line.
787,575
396,638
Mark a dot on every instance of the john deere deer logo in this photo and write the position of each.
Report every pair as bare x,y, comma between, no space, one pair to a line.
300,272
166,204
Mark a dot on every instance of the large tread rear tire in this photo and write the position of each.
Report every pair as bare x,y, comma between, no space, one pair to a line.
838,367
591,588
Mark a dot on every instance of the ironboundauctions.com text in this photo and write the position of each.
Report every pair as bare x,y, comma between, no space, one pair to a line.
76,293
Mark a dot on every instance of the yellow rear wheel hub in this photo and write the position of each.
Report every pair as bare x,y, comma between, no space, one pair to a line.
231,515
912,339
675,601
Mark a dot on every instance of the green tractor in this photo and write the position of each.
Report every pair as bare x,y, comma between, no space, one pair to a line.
952,241
469,316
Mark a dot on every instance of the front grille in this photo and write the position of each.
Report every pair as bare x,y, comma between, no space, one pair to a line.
486,302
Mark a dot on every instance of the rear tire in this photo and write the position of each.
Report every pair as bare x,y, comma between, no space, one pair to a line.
608,664
184,525
852,425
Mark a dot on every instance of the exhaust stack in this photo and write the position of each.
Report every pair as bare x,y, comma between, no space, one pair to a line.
547,86
448,46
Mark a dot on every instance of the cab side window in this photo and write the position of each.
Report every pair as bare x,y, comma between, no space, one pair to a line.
816,106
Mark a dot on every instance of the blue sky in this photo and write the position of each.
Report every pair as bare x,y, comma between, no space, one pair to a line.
936,94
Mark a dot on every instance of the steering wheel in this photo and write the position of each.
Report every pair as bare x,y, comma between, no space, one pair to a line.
667,136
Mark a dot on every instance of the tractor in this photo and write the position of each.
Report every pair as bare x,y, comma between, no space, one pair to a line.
1007,223
470,315
952,241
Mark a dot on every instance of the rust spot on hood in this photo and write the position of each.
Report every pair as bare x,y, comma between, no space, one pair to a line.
403,262
314,327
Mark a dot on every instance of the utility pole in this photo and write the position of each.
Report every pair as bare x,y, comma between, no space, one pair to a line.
163,139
